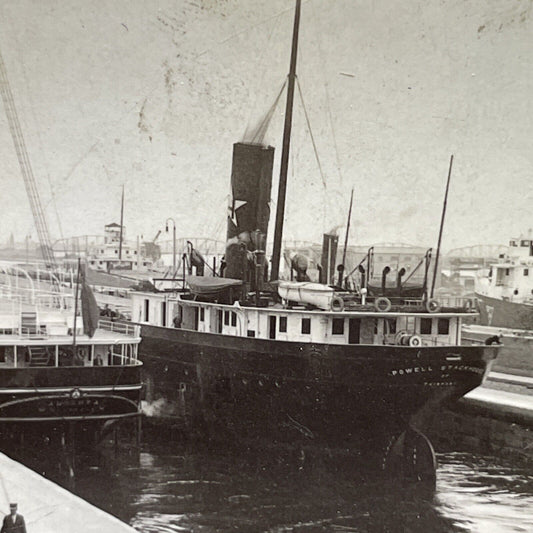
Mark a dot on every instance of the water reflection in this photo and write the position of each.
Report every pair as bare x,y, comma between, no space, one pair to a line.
484,494
168,487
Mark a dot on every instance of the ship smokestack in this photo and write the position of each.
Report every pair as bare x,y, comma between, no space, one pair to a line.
329,257
384,274
249,210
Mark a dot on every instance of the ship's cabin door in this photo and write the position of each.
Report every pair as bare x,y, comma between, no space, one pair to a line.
196,318
220,316
272,327
163,313
354,330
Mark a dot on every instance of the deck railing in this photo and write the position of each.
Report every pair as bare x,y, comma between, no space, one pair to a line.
458,302
36,297
132,330
29,333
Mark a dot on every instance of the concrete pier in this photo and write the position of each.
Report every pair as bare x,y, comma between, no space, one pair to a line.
49,508
495,419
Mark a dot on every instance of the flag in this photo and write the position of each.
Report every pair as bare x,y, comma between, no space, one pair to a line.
89,308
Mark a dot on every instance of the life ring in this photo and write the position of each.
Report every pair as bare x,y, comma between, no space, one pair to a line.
337,304
415,341
382,304
433,306
399,335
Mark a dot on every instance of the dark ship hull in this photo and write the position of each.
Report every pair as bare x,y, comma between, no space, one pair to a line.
504,314
68,394
343,395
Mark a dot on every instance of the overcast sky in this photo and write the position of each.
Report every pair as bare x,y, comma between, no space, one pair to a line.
152,95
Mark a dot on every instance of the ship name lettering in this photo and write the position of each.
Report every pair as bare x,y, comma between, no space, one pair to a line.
410,370
462,368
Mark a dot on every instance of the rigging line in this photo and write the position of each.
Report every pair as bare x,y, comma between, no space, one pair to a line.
233,35
328,101
263,71
262,129
311,133
40,141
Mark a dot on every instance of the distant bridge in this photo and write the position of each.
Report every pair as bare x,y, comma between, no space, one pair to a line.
478,250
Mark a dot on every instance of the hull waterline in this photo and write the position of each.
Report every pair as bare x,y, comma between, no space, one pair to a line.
287,391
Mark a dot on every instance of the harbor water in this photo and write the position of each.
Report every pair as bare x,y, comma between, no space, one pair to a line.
167,486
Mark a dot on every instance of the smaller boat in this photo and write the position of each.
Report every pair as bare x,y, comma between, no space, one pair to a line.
316,294
505,295
56,366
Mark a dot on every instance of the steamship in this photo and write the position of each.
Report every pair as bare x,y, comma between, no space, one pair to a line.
247,354
505,295
59,367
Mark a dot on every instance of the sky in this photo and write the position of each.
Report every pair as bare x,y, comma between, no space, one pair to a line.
152,96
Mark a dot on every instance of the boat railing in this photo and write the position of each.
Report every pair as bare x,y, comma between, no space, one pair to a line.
31,333
37,297
458,302
436,341
412,305
124,328
124,360
425,340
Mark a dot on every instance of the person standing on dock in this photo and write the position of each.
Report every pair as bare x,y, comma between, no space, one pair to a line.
13,522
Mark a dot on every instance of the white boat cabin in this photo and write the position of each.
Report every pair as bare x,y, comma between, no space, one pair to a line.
511,279
111,345
37,329
297,324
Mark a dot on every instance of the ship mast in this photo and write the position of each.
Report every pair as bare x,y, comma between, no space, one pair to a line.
121,225
280,212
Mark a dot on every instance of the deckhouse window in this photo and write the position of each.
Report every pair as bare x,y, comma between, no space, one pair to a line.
251,333
233,318
526,271
524,243
425,326
306,326
506,271
443,326
202,314
337,326
226,318
146,310
283,324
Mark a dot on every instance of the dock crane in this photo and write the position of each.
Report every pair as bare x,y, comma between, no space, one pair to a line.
26,169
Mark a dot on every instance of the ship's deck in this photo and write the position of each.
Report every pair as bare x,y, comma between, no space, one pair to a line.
101,336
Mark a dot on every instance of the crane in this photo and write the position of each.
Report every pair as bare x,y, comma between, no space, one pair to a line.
26,169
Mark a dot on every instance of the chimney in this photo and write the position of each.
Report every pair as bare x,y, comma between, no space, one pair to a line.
329,258
249,209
